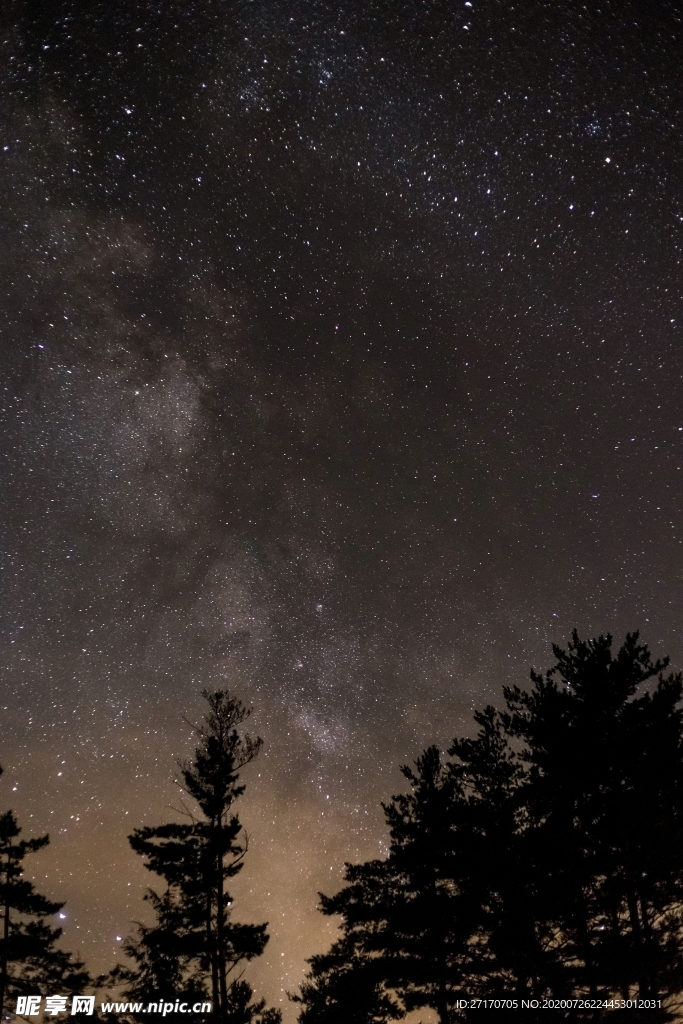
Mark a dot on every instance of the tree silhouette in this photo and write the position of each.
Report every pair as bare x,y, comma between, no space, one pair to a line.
604,798
405,920
347,985
508,948
545,859
194,946
428,919
30,962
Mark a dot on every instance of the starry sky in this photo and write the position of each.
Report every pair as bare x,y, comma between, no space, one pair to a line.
341,366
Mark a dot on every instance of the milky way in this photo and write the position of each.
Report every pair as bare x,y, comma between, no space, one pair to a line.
341,359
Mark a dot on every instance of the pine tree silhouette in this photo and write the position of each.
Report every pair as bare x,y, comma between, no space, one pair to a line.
405,920
544,860
194,946
604,798
30,962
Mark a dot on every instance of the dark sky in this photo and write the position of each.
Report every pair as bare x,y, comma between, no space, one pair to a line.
341,365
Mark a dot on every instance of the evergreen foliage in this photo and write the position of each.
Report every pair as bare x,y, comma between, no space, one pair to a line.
30,962
194,948
543,860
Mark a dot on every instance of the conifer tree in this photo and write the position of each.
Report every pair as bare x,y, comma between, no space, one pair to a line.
194,946
30,962
544,860
405,920
507,954
428,909
347,985
604,805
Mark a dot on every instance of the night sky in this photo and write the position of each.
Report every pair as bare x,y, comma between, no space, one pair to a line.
341,365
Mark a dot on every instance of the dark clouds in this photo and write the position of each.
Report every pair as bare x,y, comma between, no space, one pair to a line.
341,360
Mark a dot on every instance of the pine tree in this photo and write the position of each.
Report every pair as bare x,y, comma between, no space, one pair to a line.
508,953
604,799
544,860
347,985
194,945
405,920
30,962
428,917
